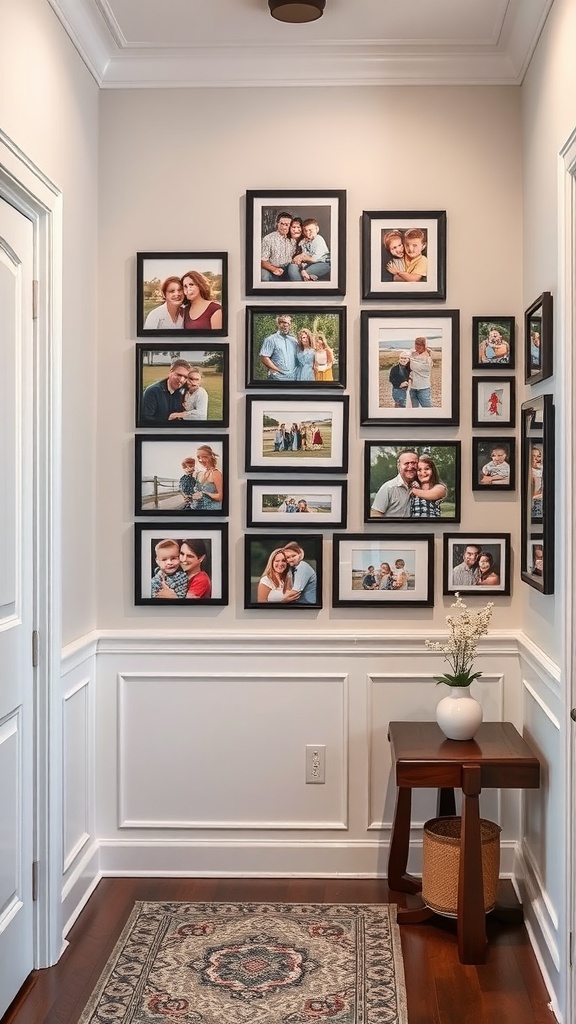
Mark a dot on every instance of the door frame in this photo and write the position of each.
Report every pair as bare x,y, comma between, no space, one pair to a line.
32,193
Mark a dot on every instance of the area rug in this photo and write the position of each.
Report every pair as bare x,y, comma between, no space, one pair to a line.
253,963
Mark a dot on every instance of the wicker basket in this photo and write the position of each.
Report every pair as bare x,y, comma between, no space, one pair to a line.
441,862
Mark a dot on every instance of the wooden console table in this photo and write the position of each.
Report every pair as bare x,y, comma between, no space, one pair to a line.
497,758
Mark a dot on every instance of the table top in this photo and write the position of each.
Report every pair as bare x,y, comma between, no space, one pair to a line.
424,757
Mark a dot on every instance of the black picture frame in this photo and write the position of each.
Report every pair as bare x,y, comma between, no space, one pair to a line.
537,494
381,228
327,414
493,342
538,352
491,472
213,538
353,554
259,549
441,461
493,402
153,365
153,269
384,338
462,578
159,470
275,504
316,322
263,211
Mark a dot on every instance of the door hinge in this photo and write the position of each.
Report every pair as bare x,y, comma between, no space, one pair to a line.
34,880
34,300
35,647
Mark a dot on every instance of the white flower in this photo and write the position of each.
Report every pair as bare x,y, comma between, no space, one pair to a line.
462,645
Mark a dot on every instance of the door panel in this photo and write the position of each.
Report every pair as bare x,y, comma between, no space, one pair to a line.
16,601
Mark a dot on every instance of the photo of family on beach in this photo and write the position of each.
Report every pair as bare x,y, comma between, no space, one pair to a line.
493,342
295,242
179,291
419,481
174,565
184,387
310,506
283,571
409,367
295,348
477,563
393,568
181,476
309,436
404,254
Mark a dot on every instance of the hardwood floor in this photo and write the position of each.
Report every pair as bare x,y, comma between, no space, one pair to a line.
507,989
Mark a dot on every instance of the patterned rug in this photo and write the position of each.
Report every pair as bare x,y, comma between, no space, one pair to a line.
253,963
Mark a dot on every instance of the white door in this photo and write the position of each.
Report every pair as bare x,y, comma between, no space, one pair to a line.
17,570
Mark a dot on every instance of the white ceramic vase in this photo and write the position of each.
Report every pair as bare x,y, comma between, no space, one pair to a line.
459,714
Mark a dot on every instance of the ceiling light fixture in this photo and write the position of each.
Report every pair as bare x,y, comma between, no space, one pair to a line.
296,11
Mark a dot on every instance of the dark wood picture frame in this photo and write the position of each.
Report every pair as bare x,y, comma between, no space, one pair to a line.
327,414
493,402
210,276
259,549
297,372
538,340
409,557
263,211
469,580
381,266
381,468
537,495
213,538
153,365
493,342
388,337
493,474
163,486
306,505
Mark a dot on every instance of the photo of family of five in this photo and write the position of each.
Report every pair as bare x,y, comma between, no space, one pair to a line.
294,251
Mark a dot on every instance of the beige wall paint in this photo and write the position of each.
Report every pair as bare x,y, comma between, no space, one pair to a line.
49,109
175,166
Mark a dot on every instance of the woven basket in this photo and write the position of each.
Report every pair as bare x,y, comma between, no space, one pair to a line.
441,862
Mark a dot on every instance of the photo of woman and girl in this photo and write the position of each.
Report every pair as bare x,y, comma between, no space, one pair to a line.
181,572
403,257
186,300
411,377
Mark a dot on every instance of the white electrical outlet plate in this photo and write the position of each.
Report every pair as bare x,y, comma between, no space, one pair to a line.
316,763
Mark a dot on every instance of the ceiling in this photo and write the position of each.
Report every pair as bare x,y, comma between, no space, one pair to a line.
143,43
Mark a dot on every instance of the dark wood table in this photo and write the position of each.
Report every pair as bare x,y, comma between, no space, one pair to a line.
497,758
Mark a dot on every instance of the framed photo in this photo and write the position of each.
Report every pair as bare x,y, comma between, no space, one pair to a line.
181,292
181,476
493,402
410,367
404,254
301,504
538,334
182,387
283,570
180,564
296,242
477,563
412,480
494,464
299,347
383,569
298,435
537,496
493,342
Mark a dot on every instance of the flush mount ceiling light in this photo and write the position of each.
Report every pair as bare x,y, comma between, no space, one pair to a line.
296,11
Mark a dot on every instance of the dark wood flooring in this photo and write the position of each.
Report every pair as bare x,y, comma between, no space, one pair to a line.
507,989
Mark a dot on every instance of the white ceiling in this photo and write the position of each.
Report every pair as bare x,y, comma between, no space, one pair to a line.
144,43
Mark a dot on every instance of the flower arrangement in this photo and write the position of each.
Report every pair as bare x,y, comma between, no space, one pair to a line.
462,647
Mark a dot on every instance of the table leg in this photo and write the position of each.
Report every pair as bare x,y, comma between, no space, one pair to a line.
398,879
471,916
